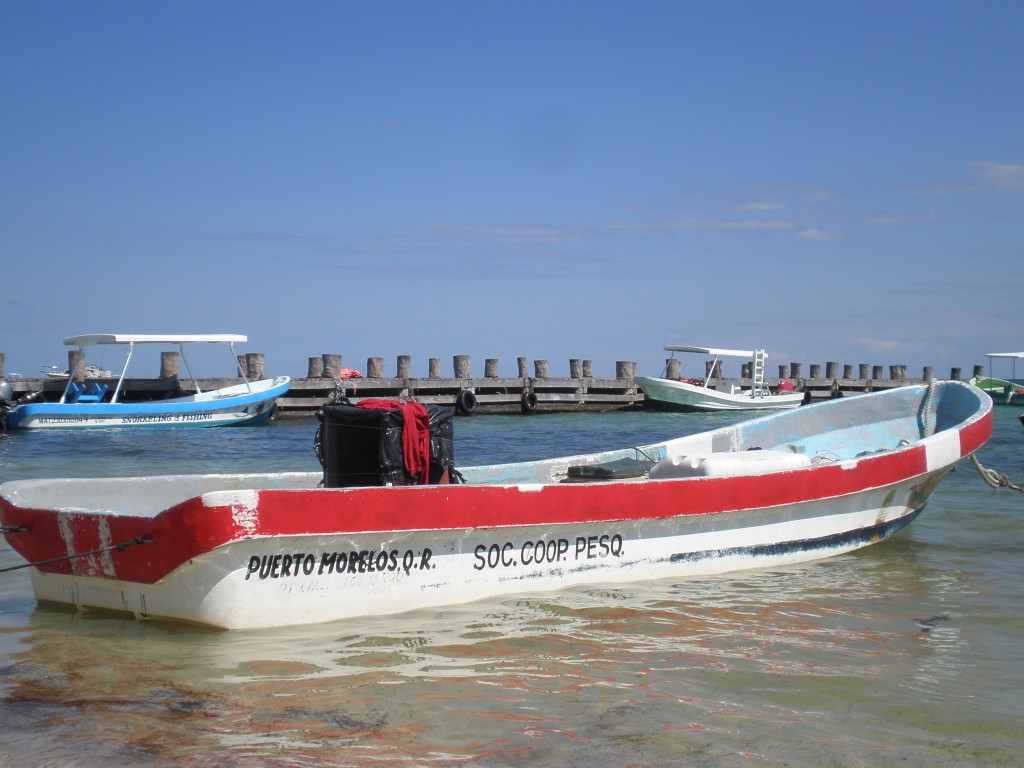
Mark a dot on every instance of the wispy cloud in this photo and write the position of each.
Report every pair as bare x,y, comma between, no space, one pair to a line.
817,234
908,218
315,242
1002,175
762,205
886,346
704,224
509,235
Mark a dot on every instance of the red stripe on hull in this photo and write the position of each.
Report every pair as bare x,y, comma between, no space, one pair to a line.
190,529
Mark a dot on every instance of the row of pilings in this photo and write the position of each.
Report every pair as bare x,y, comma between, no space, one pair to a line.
531,390
330,366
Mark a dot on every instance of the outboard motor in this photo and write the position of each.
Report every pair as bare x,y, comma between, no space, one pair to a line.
7,405
361,445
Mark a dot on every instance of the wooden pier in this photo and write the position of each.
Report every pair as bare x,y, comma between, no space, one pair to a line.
489,394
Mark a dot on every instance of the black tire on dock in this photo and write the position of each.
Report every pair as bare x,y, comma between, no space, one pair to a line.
465,402
528,402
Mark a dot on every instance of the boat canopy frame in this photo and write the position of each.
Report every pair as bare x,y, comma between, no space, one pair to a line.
755,355
1014,356
131,339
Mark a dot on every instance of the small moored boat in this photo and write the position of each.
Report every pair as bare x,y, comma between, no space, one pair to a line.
1002,391
88,372
377,533
698,395
95,405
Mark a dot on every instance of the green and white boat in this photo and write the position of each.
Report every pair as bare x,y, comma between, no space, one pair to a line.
1002,391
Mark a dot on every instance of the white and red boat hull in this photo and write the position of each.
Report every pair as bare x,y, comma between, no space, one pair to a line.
240,551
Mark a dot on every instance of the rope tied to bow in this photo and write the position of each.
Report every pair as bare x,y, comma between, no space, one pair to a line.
119,547
994,479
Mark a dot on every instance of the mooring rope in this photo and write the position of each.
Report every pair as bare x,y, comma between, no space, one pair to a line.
119,547
929,427
993,478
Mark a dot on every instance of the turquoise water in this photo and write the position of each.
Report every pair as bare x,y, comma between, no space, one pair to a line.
909,653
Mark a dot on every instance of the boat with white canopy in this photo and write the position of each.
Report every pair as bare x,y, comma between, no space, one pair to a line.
699,395
96,405
1002,391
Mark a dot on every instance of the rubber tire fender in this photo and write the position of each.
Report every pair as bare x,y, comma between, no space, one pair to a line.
465,402
528,402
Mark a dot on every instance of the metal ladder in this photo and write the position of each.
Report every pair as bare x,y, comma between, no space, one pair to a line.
758,389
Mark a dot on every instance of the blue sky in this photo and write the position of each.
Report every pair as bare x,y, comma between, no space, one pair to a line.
833,181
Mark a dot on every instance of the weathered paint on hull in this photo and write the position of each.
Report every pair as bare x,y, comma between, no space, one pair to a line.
306,579
273,549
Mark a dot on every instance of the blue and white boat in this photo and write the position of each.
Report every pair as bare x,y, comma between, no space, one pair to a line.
93,405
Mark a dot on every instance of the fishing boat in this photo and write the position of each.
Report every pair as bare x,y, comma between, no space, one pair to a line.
384,528
95,405
699,395
1002,391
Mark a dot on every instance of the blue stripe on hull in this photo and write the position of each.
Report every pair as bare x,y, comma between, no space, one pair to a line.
252,408
846,540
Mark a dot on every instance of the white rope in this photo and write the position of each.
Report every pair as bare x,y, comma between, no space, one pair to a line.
993,478
929,426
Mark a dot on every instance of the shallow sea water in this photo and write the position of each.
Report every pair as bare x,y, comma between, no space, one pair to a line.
908,653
